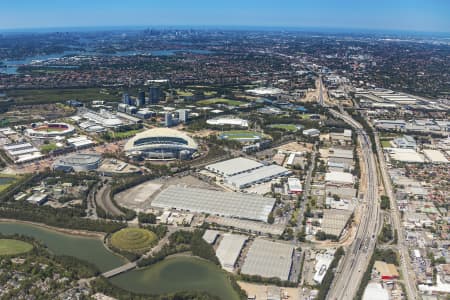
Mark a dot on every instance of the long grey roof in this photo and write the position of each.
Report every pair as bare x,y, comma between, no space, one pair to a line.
256,175
234,166
268,259
227,204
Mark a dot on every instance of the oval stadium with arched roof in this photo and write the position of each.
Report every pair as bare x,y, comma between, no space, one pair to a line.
161,144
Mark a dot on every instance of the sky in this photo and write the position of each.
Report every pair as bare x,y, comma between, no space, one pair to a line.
407,15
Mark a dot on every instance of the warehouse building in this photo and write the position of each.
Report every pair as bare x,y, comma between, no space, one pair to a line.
210,236
22,152
259,175
342,156
334,221
339,178
226,204
435,156
234,166
229,250
405,155
268,259
223,121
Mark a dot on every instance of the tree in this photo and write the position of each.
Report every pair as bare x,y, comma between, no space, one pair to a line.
270,219
385,203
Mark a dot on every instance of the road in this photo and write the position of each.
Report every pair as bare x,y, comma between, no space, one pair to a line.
103,199
357,256
408,275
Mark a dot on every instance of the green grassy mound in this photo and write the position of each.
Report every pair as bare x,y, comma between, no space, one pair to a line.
14,247
133,239
286,127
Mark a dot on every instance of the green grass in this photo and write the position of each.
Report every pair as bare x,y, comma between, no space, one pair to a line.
133,239
13,247
46,148
184,93
7,180
57,95
125,134
240,134
287,127
386,143
221,101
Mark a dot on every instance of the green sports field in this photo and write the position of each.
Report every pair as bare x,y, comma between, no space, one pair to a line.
287,127
14,247
133,239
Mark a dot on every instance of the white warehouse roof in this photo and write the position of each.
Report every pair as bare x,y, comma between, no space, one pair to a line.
268,259
339,177
262,174
435,156
227,204
229,250
234,166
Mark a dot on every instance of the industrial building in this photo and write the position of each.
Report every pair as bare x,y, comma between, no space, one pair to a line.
161,144
229,250
22,152
342,156
227,204
405,142
234,166
294,186
259,175
79,162
268,259
334,221
210,236
405,155
386,271
344,137
79,142
435,156
339,178
311,132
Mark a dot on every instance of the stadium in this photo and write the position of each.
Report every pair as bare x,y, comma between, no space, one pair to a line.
161,144
80,162
49,130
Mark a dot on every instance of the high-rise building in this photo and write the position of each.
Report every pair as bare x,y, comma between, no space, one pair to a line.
168,120
154,94
126,99
141,99
183,115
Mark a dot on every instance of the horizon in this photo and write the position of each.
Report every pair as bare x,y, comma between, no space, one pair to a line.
401,16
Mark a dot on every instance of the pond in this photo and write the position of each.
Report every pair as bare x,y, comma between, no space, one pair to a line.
90,249
178,274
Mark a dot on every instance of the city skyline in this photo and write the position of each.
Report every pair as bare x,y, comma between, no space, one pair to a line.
417,15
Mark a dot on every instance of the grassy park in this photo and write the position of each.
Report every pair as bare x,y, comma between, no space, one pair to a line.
14,247
220,101
286,127
133,239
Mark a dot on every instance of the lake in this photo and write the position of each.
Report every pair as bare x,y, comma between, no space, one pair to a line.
90,249
175,274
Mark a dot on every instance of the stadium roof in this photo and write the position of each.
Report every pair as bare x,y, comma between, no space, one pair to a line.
234,166
227,204
159,132
229,250
268,259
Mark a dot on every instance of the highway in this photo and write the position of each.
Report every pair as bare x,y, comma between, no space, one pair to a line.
409,280
357,256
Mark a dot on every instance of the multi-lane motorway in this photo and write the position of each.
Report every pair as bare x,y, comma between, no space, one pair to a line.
409,279
357,256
